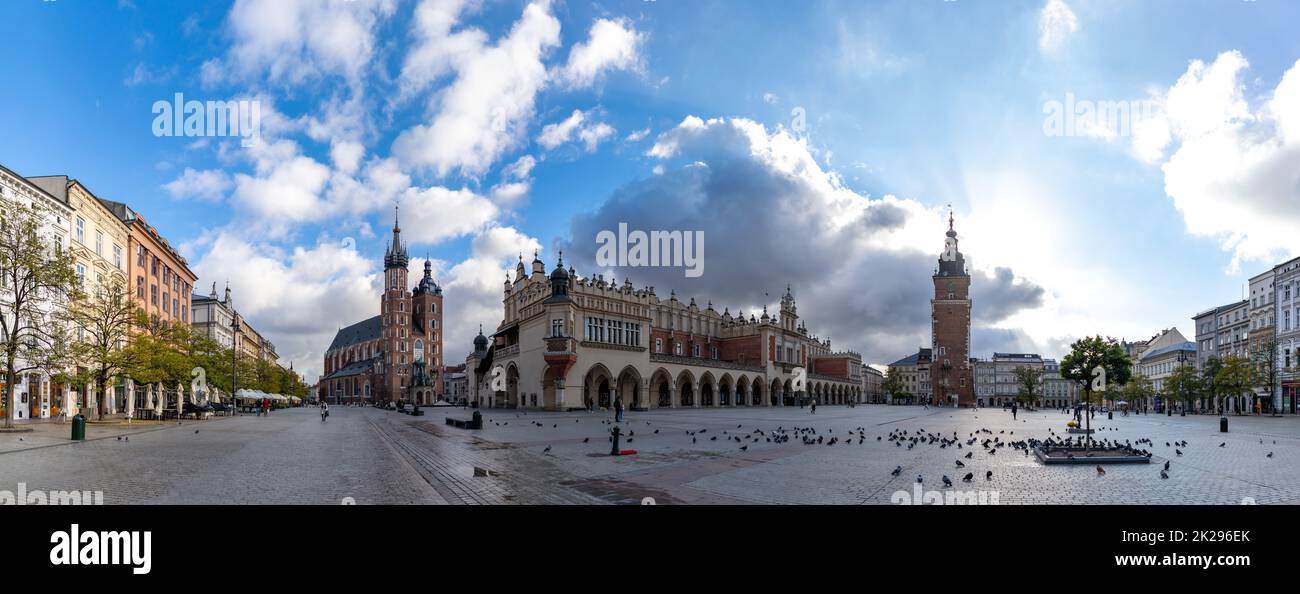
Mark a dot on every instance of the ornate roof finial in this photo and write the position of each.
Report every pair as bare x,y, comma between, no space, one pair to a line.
560,263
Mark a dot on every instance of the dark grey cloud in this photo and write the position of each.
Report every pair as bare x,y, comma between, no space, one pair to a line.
766,226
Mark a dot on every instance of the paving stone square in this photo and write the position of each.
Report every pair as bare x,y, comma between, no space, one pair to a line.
683,456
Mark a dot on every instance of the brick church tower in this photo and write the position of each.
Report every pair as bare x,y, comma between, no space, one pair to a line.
395,322
951,376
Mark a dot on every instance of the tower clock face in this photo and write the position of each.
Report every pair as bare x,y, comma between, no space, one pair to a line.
949,250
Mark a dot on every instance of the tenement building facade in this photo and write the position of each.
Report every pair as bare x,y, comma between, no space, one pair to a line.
396,356
567,342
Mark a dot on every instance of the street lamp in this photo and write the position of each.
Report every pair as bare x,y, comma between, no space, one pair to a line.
234,354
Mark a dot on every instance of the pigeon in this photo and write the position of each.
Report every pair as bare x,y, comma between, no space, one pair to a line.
1223,444
896,471
968,477
1270,455
196,430
1164,475
1101,471
918,478
988,476
1166,465
547,450
969,454
1178,451
744,448
586,439
960,465
947,482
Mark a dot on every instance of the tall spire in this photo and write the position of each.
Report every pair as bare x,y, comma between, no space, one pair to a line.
395,256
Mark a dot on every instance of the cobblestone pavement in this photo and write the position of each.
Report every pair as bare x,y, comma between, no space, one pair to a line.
683,456
287,457
673,468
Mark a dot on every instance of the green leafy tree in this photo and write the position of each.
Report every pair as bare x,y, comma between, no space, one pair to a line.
35,279
1029,382
1138,391
1183,385
892,384
1209,379
1264,357
1098,365
1236,377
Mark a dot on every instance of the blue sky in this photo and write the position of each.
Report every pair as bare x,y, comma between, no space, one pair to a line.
906,107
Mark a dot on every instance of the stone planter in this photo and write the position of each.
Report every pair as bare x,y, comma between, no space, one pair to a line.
1097,455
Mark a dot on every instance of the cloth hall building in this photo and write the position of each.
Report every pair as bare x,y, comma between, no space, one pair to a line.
567,342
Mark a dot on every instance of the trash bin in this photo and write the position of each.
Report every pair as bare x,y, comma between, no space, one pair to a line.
477,420
79,428
1223,424
1110,415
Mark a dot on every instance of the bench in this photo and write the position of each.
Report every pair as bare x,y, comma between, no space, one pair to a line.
472,423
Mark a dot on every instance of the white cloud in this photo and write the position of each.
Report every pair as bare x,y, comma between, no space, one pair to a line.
637,135
1232,169
554,135
473,287
611,45
435,214
485,111
286,295
293,40
771,98
210,185
577,126
1056,23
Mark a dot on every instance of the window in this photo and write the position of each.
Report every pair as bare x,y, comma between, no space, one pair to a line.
117,256
677,348
81,276
81,230
139,256
695,350
139,287
153,295
557,327
433,308
659,345
99,243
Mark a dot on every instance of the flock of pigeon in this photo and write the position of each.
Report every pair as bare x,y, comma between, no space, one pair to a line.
983,439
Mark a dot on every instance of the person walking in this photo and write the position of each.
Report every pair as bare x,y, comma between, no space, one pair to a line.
1014,408
814,406
266,406
618,409
324,411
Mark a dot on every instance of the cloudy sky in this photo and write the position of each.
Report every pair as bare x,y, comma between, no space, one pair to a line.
1114,166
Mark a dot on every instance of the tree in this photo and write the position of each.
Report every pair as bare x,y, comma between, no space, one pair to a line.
1098,365
159,352
893,384
1235,377
1264,357
1138,390
1209,375
104,323
1183,385
1029,381
36,277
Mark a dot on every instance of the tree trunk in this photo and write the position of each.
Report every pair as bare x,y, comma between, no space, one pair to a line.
11,378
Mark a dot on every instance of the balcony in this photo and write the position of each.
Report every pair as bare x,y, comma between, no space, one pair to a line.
507,352
701,362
